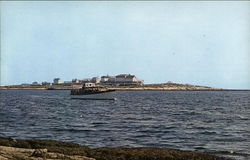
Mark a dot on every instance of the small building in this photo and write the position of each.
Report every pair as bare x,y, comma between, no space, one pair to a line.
85,80
46,83
57,81
108,80
25,84
105,78
126,78
112,79
35,84
75,81
67,83
95,80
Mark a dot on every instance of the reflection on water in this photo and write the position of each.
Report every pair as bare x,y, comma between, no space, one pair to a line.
216,122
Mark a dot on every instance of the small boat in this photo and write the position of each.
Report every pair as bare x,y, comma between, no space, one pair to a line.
91,92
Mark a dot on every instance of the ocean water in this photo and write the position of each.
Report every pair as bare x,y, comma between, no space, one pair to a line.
214,122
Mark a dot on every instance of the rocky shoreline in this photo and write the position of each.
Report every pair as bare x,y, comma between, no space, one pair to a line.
146,87
137,89
51,149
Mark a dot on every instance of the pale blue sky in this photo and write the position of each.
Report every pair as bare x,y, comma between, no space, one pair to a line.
203,43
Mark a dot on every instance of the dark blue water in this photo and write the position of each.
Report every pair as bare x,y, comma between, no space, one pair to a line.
216,122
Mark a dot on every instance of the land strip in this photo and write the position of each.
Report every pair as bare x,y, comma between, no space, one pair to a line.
148,87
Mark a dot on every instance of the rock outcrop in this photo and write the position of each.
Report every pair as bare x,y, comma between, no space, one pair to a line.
12,153
51,149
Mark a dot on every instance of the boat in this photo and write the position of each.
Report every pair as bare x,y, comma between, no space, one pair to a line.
90,91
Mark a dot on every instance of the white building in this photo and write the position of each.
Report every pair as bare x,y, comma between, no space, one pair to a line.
121,80
95,80
126,78
75,81
57,81
85,80
46,83
35,84
67,83
112,79
105,78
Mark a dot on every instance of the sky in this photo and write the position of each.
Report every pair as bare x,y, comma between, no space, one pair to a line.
201,43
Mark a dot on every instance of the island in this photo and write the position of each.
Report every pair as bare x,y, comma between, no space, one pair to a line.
119,82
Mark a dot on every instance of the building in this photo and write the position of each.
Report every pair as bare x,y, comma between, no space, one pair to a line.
57,81
105,78
46,83
35,84
95,80
25,84
75,81
121,80
85,80
108,80
112,79
127,79
67,83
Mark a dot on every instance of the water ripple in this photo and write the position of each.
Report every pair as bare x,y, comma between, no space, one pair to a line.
205,121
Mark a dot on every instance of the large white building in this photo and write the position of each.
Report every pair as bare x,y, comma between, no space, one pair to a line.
126,78
121,80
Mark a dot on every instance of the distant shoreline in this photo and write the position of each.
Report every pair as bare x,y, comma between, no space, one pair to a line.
134,89
145,87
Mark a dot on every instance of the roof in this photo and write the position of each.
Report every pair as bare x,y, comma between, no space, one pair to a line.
104,76
107,76
126,75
